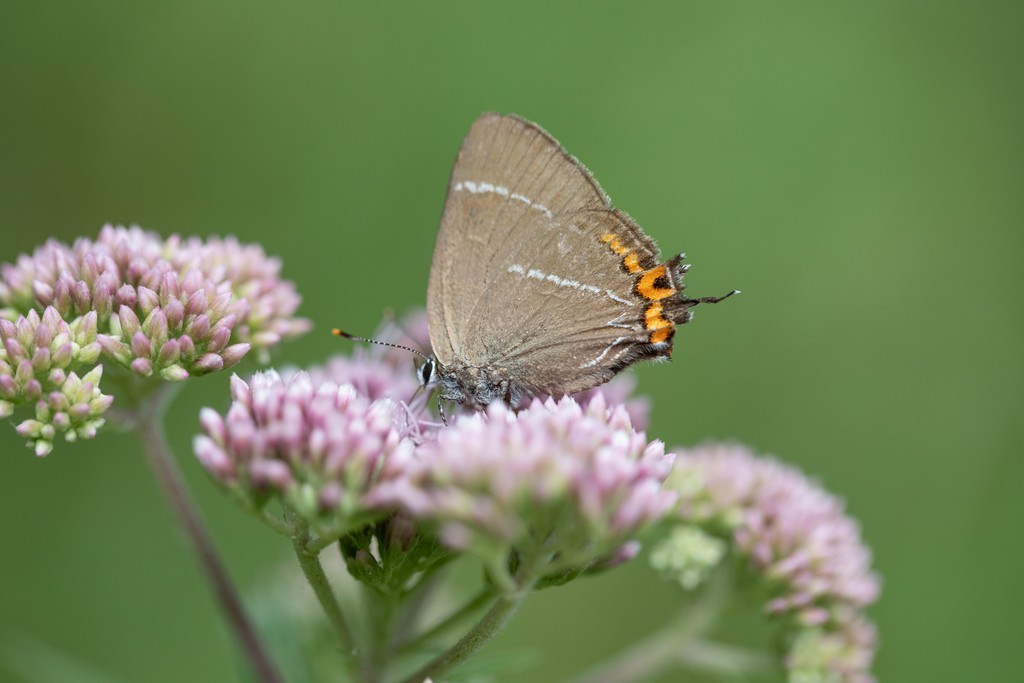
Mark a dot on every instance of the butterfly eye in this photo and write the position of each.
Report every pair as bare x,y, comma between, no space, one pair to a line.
426,373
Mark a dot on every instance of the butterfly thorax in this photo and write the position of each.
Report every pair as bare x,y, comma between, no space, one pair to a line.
473,386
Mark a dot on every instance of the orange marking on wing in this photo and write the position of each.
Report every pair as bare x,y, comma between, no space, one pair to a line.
645,286
614,244
662,335
653,318
632,262
660,327
652,313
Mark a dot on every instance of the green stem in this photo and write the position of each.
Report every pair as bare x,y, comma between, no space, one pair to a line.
381,610
670,648
728,660
273,522
673,644
639,662
314,572
489,626
315,545
453,619
149,421
414,601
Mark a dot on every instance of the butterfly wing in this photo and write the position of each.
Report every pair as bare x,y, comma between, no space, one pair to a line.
534,272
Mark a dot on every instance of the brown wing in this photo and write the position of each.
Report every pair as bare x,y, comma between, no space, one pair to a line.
534,271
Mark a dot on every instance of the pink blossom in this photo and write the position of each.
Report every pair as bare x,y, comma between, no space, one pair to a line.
798,537
319,447
556,483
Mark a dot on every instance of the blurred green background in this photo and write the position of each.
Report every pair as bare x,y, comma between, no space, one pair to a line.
857,169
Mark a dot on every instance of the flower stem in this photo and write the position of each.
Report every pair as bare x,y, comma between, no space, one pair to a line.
413,602
149,421
481,599
677,642
729,661
482,632
314,572
381,609
670,648
639,662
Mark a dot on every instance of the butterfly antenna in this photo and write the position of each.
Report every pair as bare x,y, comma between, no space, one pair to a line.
710,299
346,335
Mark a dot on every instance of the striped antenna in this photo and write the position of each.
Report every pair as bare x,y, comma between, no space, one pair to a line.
346,335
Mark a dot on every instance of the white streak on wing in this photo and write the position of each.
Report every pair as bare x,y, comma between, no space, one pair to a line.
619,354
564,282
600,356
502,191
612,295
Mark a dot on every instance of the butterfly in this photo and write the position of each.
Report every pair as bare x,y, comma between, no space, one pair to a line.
538,285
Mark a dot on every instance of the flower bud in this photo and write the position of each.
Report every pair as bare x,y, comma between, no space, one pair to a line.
174,373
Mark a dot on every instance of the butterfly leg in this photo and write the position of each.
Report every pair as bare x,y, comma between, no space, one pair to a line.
440,411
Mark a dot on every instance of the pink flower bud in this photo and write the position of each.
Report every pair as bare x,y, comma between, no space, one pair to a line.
168,288
142,367
141,347
156,326
169,353
126,296
234,353
129,322
82,297
207,363
174,373
196,303
199,328
175,312
43,292
114,348
188,348
148,300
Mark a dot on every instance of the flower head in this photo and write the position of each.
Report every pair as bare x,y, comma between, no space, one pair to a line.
166,308
173,307
317,447
797,536
559,485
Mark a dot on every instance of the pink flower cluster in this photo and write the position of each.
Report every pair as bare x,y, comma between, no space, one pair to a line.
558,482
167,308
319,447
799,539
561,484
170,306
